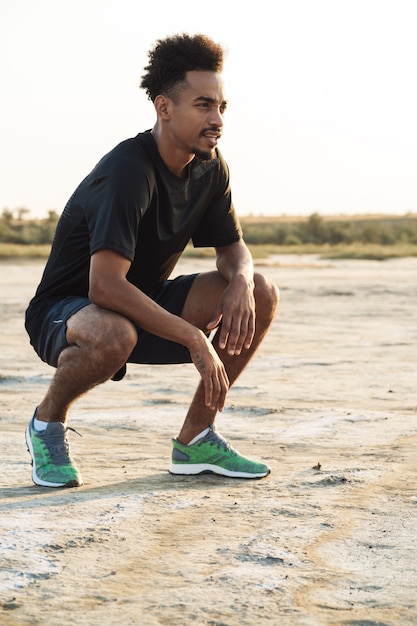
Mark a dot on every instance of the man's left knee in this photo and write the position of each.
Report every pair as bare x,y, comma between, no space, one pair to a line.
266,294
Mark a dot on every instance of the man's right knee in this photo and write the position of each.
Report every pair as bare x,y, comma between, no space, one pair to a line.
110,334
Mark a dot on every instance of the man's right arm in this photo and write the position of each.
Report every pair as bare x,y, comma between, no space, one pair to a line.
110,289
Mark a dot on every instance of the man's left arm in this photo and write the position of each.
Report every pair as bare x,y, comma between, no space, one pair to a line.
236,308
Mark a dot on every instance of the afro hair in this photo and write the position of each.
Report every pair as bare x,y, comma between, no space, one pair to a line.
170,59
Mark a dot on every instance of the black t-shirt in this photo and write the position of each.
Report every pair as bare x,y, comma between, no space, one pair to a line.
133,204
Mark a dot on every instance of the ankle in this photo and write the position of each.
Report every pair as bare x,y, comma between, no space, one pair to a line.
44,415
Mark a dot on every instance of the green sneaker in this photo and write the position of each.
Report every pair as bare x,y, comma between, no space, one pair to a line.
52,465
212,454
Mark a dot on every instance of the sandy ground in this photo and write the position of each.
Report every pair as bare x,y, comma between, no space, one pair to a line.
328,538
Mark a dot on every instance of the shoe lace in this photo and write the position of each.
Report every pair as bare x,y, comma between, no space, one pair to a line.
58,446
222,444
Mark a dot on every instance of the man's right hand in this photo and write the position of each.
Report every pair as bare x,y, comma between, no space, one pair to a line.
212,372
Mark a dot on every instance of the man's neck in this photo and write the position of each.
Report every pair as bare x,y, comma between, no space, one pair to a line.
174,158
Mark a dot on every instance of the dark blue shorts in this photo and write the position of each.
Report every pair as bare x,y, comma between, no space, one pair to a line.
47,327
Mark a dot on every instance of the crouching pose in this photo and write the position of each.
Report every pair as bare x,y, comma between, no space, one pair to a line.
106,299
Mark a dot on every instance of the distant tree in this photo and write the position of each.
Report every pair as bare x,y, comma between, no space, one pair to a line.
22,212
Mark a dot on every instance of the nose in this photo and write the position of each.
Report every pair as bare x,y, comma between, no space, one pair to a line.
216,117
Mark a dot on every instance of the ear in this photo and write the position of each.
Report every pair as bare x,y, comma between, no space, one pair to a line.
162,106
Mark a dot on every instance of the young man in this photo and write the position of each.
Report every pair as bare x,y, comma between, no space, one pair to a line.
105,299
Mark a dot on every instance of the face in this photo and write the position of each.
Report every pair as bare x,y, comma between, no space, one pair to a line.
196,119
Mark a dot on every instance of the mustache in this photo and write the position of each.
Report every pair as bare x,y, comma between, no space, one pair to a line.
211,129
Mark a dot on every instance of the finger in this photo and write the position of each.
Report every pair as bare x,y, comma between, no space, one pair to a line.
251,333
212,392
214,323
225,330
241,336
208,392
237,335
218,389
224,389
216,319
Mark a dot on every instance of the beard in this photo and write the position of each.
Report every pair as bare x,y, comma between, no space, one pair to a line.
211,153
205,155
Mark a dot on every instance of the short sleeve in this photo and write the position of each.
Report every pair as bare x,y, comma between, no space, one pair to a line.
117,201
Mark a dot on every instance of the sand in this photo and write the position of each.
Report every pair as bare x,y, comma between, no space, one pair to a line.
328,538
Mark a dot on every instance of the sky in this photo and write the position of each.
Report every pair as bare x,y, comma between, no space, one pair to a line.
322,98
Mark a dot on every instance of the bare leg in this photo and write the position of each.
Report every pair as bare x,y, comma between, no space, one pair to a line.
100,343
199,305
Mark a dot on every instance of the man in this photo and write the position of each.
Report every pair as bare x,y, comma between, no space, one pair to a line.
105,299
